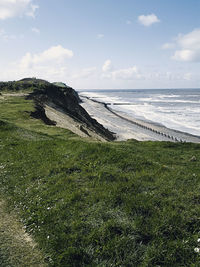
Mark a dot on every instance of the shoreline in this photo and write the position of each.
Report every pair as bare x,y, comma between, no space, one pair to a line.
127,127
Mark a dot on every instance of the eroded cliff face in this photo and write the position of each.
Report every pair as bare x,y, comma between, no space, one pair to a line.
59,97
67,100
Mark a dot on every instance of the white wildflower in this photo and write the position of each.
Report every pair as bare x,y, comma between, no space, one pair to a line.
197,250
198,240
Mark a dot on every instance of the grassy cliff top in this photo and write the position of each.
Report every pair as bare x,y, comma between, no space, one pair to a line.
99,204
26,84
29,84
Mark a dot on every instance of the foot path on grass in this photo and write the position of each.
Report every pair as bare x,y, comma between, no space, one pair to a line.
17,248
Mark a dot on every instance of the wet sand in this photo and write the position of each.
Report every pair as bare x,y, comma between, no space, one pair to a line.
127,127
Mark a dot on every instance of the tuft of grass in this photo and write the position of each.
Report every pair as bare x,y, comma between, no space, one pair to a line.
100,204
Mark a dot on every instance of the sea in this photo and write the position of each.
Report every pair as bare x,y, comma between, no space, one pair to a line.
178,109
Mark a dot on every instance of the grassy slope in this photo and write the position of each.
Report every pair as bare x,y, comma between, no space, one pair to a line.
93,204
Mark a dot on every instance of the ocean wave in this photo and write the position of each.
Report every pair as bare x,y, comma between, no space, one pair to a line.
175,119
150,99
175,111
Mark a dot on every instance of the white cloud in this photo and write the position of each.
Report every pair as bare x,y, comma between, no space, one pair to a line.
55,54
190,40
168,46
168,76
107,65
148,20
5,36
35,30
119,74
188,76
17,8
100,36
32,10
51,64
126,74
186,55
189,47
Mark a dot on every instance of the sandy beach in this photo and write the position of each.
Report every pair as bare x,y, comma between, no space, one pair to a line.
126,127
123,126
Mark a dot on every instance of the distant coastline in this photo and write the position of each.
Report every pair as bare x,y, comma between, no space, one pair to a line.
175,109
126,127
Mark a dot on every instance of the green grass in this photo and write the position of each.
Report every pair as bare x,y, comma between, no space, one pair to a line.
100,204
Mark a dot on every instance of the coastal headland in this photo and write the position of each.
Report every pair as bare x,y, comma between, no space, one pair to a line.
70,195
59,105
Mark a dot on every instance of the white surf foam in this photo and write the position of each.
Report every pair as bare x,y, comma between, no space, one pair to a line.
180,114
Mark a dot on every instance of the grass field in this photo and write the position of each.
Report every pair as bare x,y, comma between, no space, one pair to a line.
99,204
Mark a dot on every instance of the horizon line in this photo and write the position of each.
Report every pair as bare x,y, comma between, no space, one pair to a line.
141,88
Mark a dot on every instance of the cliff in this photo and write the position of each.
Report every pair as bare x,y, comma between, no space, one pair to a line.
61,98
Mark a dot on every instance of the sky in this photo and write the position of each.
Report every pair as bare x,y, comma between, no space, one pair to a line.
102,44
